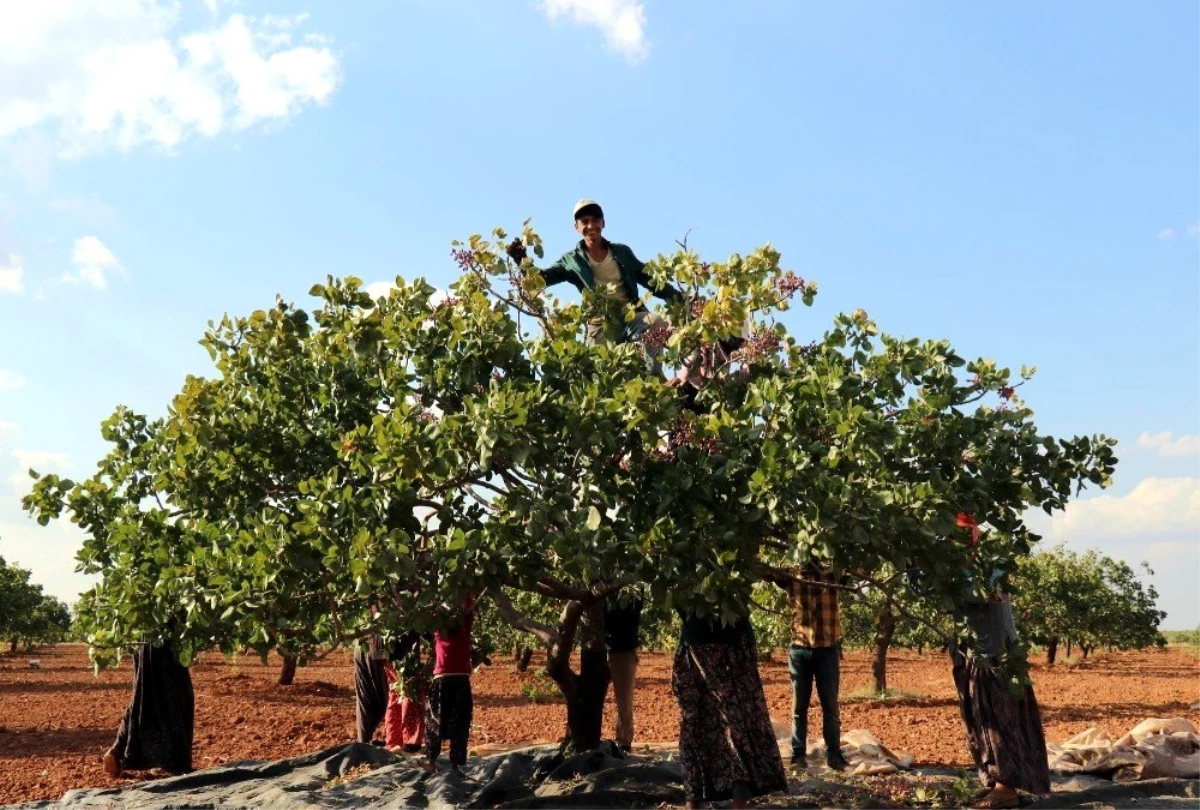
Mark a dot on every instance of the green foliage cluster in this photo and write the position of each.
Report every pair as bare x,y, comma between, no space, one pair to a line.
539,689
364,466
1087,599
1189,638
27,615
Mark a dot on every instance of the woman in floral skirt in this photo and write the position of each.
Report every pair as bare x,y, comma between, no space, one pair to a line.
726,743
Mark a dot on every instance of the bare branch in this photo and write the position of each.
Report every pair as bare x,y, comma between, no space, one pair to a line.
544,632
491,486
556,589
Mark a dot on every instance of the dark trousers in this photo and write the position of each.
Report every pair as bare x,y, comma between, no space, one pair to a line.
805,665
370,694
448,717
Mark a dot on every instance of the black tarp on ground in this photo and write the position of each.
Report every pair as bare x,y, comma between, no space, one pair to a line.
526,778
358,775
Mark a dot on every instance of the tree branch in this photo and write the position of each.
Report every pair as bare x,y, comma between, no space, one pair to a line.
556,589
901,609
544,632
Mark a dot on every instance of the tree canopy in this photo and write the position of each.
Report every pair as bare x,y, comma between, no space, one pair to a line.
367,464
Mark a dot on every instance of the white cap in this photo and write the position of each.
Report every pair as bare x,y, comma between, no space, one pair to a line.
584,203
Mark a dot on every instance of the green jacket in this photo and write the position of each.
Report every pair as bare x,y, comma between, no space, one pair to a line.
573,266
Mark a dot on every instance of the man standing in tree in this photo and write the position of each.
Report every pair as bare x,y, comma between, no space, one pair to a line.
816,638
608,268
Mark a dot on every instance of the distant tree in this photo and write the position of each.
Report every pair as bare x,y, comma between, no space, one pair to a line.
887,615
1085,599
28,616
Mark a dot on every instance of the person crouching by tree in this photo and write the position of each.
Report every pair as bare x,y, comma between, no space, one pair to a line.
1004,728
609,268
814,656
450,705
727,746
621,636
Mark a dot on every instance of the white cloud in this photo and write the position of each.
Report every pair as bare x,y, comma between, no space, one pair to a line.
1166,444
42,461
93,263
1155,506
1166,234
1157,521
8,430
120,75
379,289
623,22
11,273
10,380
47,551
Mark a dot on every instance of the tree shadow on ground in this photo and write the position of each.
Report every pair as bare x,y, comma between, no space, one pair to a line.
57,742
1134,712
25,688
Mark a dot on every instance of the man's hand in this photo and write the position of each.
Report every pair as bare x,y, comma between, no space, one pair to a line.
679,380
516,251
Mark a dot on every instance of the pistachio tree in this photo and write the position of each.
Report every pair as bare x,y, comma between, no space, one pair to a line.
366,466
28,616
1085,598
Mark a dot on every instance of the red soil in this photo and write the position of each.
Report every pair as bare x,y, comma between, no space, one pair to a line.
56,721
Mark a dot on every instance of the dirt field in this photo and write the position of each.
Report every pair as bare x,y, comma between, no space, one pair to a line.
57,720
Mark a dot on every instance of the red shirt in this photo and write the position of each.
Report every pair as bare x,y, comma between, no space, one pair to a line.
452,648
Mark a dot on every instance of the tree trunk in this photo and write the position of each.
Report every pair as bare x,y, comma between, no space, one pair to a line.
1087,650
1051,651
585,691
885,628
12,646
1068,648
524,658
288,674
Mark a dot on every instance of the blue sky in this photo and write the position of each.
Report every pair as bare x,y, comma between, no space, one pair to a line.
1019,178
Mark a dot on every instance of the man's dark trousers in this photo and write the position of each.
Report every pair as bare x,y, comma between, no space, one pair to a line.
805,665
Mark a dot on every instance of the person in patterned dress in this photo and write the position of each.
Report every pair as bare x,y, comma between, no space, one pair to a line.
1004,729
726,743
